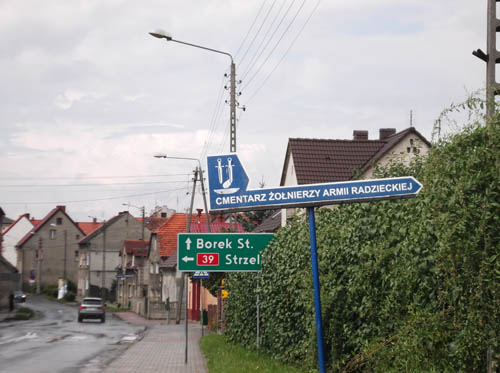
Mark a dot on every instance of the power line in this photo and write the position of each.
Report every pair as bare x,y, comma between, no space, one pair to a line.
286,52
250,29
256,56
78,185
257,33
215,119
89,200
85,177
276,45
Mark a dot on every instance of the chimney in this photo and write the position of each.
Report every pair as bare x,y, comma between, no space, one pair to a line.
94,220
199,214
360,135
386,132
63,208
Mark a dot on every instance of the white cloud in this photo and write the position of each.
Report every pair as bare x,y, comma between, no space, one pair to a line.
93,94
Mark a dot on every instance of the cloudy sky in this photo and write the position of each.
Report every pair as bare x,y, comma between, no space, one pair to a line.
87,96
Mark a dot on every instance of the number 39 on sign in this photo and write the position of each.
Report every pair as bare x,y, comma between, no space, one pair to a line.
207,259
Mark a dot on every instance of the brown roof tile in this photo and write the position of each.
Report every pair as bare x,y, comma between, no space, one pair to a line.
326,160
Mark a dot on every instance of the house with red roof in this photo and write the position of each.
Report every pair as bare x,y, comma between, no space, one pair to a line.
49,251
162,280
313,161
100,250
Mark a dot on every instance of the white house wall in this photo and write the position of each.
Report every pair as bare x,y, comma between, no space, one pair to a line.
406,150
12,237
290,179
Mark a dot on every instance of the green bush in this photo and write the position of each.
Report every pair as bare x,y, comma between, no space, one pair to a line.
406,285
71,286
69,296
23,313
51,290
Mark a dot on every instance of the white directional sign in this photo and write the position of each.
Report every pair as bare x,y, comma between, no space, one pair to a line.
228,184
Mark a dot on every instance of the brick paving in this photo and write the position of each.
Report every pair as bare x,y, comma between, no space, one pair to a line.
162,349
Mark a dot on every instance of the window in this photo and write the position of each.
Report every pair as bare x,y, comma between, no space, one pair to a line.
163,214
77,236
76,255
52,234
59,221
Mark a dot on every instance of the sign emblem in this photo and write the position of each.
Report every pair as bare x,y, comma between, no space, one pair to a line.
225,177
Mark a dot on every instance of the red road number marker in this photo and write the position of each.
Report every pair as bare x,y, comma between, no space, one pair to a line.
207,259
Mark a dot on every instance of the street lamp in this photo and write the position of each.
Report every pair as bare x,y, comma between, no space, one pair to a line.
202,186
162,34
184,282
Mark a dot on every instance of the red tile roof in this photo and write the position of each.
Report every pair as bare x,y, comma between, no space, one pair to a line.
88,227
154,223
216,227
136,247
42,223
177,223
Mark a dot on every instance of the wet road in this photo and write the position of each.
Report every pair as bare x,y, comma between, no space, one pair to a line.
54,341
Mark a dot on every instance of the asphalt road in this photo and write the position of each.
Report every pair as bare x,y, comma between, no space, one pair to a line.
54,340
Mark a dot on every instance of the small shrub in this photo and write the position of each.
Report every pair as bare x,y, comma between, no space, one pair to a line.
69,296
50,289
23,313
71,287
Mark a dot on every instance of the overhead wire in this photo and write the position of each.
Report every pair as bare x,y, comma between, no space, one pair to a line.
85,177
88,200
257,33
275,45
214,119
257,54
250,29
78,185
286,52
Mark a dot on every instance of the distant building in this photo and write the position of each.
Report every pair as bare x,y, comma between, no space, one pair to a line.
100,250
49,251
13,234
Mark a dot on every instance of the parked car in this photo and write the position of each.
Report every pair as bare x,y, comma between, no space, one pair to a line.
19,296
91,308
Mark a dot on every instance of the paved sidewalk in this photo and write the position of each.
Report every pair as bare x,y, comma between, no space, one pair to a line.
162,349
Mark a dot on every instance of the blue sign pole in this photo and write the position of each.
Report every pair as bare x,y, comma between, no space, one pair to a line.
317,294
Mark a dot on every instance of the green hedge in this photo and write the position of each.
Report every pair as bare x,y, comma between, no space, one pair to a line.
406,285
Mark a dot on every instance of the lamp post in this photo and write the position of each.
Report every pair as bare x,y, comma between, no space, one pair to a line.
200,171
162,34
184,282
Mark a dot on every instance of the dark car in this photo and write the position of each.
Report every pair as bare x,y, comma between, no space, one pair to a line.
19,296
91,308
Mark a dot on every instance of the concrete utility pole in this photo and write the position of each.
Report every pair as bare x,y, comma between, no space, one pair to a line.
39,266
181,290
103,280
162,34
65,254
232,107
491,57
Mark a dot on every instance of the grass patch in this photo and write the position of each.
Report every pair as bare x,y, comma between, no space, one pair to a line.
23,313
222,357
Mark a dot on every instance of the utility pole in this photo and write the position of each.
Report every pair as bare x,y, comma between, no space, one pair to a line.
233,107
181,290
39,266
491,57
65,254
103,280
143,222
